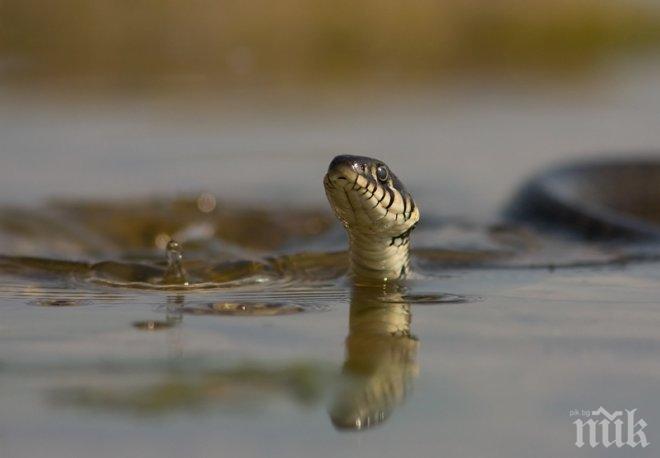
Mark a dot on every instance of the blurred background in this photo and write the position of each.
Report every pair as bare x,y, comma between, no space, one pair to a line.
251,99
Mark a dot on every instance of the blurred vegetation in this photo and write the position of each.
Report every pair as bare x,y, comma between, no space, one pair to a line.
228,42
249,386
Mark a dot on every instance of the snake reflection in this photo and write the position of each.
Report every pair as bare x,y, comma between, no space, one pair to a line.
380,359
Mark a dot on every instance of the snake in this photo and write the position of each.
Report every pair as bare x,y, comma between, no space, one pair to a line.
604,199
378,213
612,200
598,199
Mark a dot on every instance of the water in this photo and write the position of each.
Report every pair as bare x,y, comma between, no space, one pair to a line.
270,352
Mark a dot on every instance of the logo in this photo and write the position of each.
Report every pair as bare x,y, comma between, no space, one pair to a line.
602,428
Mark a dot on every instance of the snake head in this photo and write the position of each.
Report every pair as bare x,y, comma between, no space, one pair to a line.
368,198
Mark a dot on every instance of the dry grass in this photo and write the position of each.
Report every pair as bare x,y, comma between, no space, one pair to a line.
227,42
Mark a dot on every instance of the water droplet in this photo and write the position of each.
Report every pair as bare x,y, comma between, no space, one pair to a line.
206,202
161,240
175,273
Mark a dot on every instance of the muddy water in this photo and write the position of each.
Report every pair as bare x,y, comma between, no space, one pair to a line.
248,340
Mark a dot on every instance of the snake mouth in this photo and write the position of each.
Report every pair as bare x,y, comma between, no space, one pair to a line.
366,202
342,172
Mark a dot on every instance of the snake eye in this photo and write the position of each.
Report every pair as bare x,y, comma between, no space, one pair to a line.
382,173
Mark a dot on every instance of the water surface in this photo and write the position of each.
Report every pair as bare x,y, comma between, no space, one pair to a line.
270,353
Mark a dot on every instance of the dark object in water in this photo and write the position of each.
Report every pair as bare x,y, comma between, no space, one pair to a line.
613,199
61,302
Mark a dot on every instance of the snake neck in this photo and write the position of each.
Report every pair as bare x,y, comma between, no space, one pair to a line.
379,258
